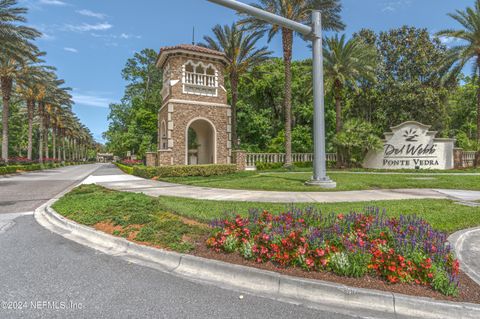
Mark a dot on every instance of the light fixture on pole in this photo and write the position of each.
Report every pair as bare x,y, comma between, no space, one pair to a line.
314,32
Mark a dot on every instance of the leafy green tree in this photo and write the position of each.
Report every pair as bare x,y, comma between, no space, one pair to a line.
469,50
463,114
240,48
410,72
135,118
297,10
355,140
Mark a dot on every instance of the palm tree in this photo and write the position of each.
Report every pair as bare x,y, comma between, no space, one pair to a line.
300,11
28,84
15,50
27,90
469,50
239,47
347,62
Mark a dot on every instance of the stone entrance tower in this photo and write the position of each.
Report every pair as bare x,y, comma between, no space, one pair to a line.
194,121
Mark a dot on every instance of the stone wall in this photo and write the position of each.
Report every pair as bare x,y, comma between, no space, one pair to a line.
184,114
151,159
239,158
165,157
458,158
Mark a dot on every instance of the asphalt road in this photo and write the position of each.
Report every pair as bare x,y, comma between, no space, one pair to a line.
43,275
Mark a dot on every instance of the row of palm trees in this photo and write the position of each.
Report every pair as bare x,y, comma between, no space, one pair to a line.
48,102
346,61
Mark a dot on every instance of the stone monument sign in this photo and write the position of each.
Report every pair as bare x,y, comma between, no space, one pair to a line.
411,145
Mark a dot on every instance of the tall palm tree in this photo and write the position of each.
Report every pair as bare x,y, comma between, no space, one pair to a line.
27,90
469,50
28,84
239,47
300,11
15,50
347,62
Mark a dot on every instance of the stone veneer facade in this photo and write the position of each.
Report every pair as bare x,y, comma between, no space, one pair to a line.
180,107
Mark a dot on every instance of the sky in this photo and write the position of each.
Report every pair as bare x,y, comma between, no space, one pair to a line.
89,41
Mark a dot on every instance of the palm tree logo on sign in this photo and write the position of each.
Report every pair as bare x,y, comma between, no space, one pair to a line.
411,135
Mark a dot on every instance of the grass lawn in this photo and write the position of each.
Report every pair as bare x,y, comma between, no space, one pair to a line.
294,181
175,223
181,225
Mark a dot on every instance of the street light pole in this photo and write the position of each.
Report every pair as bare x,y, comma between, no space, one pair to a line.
320,177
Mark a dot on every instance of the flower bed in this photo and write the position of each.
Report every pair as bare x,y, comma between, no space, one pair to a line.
398,250
129,162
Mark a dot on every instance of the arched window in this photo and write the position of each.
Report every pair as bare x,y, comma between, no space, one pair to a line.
200,79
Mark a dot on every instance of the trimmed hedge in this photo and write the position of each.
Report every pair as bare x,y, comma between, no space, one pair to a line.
7,170
12,169
126,169
180,170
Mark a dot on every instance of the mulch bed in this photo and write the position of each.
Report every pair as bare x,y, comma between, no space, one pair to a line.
469,291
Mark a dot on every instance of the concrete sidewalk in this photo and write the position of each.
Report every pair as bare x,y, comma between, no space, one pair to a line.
113,178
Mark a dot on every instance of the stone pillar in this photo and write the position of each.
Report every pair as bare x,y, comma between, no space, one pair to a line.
458,158
151,159
165,157
239,158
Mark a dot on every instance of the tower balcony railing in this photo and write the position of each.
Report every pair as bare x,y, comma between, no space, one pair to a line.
196,79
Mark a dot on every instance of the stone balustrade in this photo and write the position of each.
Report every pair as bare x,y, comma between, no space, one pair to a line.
253,158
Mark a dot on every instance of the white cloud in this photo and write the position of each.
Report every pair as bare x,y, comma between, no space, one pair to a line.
127,36
388,8
91,100
392,6
53,2
73,50
92,14
123,36
89,27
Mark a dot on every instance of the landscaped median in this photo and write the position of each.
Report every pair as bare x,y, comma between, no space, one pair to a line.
394,250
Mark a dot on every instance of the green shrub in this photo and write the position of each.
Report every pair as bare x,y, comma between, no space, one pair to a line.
126,169
184,170
355,140
262,166
7,170
443,283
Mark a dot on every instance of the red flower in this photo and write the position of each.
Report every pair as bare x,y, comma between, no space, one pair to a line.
320,252
309,262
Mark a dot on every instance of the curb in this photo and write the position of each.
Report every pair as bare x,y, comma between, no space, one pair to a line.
457,240
314,293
